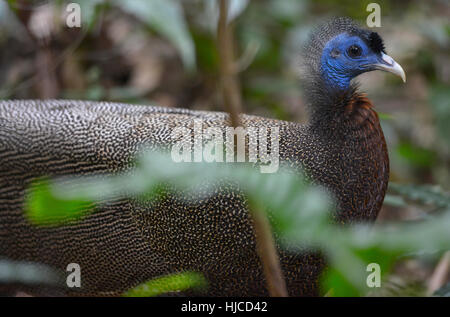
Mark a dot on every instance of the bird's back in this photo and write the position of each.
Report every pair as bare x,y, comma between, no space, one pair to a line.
127,242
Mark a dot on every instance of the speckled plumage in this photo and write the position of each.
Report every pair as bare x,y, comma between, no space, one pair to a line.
127,242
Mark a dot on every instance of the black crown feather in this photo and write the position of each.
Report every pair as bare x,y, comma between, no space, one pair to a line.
376,43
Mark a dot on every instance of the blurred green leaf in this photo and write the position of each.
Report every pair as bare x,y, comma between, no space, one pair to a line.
395,286
207,55
417,156
166,284
425,194
336,284
288,11
43,207
27,273
299,212
89,10
385,116
165,17
395,201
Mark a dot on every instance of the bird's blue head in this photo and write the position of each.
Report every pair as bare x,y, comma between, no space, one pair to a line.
339,51
346,56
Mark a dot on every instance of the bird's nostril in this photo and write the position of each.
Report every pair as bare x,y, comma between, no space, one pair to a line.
387,59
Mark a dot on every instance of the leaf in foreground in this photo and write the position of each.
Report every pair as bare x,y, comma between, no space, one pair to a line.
166,284
43,207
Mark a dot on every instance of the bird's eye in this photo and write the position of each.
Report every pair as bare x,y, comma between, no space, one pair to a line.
354,51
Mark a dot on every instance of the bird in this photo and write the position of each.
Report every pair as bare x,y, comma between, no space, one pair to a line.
128,241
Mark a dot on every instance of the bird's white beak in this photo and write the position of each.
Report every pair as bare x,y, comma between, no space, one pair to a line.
388,64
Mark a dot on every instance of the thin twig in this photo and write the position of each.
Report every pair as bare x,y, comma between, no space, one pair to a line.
230,84
266,249
267,252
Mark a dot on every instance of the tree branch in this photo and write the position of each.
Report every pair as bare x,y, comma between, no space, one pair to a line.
229,81
233,102
267,252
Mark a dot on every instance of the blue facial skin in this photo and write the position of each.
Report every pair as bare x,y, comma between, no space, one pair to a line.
338,68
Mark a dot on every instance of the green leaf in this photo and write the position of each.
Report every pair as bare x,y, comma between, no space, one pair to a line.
89,10
425,194
171,283
337,284
299,213
385,116
165,17
42,207
395,201
27,273
415,155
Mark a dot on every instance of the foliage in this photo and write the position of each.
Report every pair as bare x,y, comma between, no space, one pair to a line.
299,213
424,194
50,210
166,17
171,283
27,273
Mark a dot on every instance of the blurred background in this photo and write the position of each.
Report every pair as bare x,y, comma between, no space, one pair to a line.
164,52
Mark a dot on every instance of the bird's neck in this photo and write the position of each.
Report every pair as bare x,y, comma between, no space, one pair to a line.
355,153
360,117
349,114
